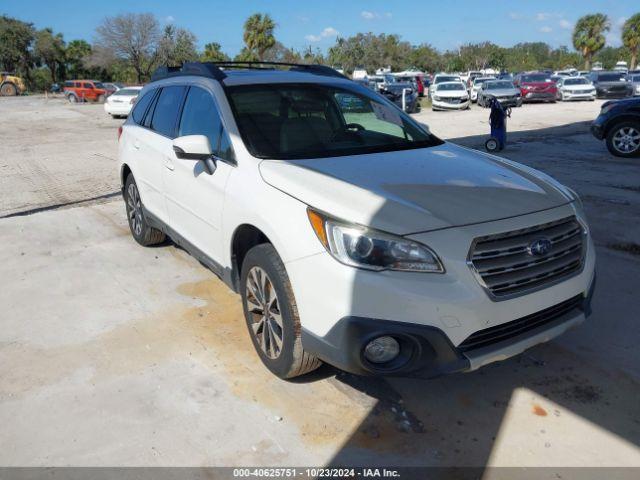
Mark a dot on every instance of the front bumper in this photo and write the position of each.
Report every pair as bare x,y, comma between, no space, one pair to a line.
598,128
539,96
603,93
511,102
426,351
442,105
579,96
450,306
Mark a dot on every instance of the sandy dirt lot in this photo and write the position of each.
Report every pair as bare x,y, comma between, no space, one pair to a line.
112,354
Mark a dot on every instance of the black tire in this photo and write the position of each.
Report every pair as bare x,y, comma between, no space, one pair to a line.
292,360
72,98
8,89
144,234
611,144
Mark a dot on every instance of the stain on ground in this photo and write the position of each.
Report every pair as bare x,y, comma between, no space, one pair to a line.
539,411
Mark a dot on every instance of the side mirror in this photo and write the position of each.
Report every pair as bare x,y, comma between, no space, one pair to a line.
195,147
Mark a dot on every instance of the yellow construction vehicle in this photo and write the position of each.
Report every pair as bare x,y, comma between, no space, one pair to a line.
11,85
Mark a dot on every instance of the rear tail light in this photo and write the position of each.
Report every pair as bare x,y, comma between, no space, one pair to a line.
119,132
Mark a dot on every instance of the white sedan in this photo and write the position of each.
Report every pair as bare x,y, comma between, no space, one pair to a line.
575,88
450,96
119,103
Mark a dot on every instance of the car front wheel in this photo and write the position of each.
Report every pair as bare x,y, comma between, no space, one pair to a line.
271,314
623,140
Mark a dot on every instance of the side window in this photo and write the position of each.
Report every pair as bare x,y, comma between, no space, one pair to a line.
165,112
200,117
141,106
87,85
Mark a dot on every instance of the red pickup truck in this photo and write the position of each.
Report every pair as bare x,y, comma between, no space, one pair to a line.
84,90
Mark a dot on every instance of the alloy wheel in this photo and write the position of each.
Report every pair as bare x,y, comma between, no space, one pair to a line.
626,140
134,209
264,310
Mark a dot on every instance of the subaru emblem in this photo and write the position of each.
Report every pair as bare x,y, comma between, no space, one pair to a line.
539,247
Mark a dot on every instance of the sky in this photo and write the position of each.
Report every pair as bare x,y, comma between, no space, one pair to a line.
445,24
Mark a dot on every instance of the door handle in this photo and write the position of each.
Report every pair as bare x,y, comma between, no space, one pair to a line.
168,164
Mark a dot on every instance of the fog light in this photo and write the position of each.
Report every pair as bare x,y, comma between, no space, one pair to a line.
382,349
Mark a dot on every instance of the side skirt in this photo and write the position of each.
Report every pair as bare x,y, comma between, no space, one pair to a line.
224,273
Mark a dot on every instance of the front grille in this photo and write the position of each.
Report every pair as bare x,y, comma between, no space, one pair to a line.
506,266
499,333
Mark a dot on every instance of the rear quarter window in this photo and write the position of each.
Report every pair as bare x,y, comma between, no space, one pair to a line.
141,106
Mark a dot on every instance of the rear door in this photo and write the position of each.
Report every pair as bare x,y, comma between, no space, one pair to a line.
194,197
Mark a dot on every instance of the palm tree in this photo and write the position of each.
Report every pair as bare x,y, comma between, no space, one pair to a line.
258,34
588,35
631,37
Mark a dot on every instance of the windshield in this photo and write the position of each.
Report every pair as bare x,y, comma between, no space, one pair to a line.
535,78
498,85
480,81
446,79
634,78
611,77
451,86
295,121
576,81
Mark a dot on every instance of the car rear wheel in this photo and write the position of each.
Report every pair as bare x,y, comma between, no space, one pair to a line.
271,314
72,99
8,90
623,140
140,229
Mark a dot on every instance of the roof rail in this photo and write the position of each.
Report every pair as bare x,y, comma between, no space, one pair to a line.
299,67
203,69
216,69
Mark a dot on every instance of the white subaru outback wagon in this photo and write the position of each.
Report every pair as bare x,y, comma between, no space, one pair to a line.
352,234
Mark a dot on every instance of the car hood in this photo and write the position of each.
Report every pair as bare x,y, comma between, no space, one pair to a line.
419,190
451,93
502,91
538,84
578,87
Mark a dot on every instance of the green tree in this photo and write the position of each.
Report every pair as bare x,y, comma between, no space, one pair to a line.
130,37
49,49
258,35
588,35
16,38
371,52
631,37
76,54
177,46
213,53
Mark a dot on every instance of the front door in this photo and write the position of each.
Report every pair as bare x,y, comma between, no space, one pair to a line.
194,197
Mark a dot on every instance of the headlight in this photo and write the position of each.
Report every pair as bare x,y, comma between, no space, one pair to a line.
370,249
435,97
465,98
607,108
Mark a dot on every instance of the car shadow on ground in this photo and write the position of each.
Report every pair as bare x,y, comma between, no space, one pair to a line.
589,376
